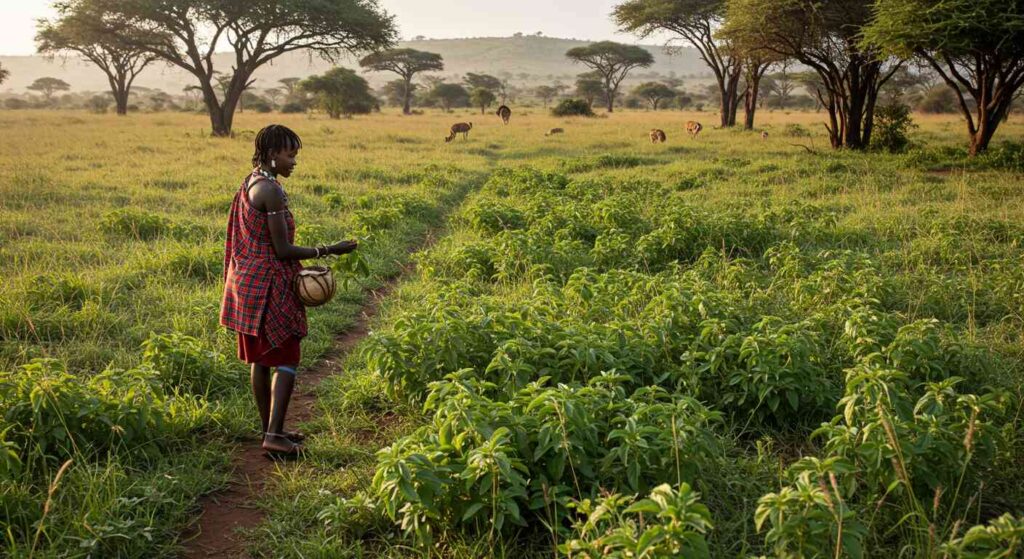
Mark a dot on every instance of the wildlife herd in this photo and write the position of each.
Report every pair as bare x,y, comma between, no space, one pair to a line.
693,128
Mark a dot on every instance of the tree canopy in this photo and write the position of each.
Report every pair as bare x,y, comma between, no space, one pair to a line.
48,86
824,35
654,93
975,46
449,95
693,22
4,74
406,63
187,33
482,97
340,91
485,81
79,28
613,61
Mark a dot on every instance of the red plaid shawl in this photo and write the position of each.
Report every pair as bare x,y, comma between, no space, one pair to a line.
257,284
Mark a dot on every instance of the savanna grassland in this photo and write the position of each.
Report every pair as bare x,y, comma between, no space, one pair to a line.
723,347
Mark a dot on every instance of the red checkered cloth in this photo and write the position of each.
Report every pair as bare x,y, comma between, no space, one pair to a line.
257,284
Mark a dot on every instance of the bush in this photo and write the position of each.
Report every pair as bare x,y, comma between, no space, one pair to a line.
15,104
50,415
796,131
98,103
144,226
261,107
892,123
293,107
183,362
572,107
669,523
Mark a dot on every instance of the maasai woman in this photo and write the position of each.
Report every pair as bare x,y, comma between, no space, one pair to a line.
260,262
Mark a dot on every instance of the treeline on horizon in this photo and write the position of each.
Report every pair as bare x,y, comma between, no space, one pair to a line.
855,58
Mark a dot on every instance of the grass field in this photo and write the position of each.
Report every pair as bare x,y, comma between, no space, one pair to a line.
698,309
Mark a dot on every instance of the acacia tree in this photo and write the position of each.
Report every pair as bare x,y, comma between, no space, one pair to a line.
781,84
186,34
289,85
823,35
613,61
406,63
340,91
694,22
545,93
449,95
274,94
78,29
482,97
975,46
48,86
4,74
485,81
654,93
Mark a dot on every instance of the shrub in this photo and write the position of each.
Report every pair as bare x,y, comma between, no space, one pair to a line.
794,130
292,107
138,224
186,364
669,523
1007,155
98,103
51,415
261,107
144,226
57,289
572,107
892,123
15,104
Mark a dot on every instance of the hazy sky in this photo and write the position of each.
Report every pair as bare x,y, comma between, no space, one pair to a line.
580,19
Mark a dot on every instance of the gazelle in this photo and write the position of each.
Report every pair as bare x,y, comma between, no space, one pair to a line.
658,135
693,128
764,135
460,128
554,131
505,113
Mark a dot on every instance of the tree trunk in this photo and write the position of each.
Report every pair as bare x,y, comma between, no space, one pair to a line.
407,98
983,135
750,102
728,87
121,100
611,101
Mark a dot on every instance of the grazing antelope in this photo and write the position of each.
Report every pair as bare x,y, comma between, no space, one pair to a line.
764,135
554,131
693,128
657,135
460,128
505,113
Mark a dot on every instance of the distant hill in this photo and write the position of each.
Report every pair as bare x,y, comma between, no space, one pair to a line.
530,60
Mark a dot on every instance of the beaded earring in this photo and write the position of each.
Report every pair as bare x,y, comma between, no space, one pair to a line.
273,164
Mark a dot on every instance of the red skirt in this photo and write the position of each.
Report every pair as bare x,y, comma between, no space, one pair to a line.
257,349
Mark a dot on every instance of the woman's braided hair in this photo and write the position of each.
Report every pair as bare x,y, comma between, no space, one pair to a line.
274,139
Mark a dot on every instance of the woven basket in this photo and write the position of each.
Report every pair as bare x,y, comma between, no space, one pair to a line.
315,286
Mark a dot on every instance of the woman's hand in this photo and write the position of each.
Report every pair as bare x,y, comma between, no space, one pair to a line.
344,247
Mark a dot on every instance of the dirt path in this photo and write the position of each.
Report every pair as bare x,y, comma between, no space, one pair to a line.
224,512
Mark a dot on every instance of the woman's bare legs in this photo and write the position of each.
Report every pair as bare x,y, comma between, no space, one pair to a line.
260,379
280,396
